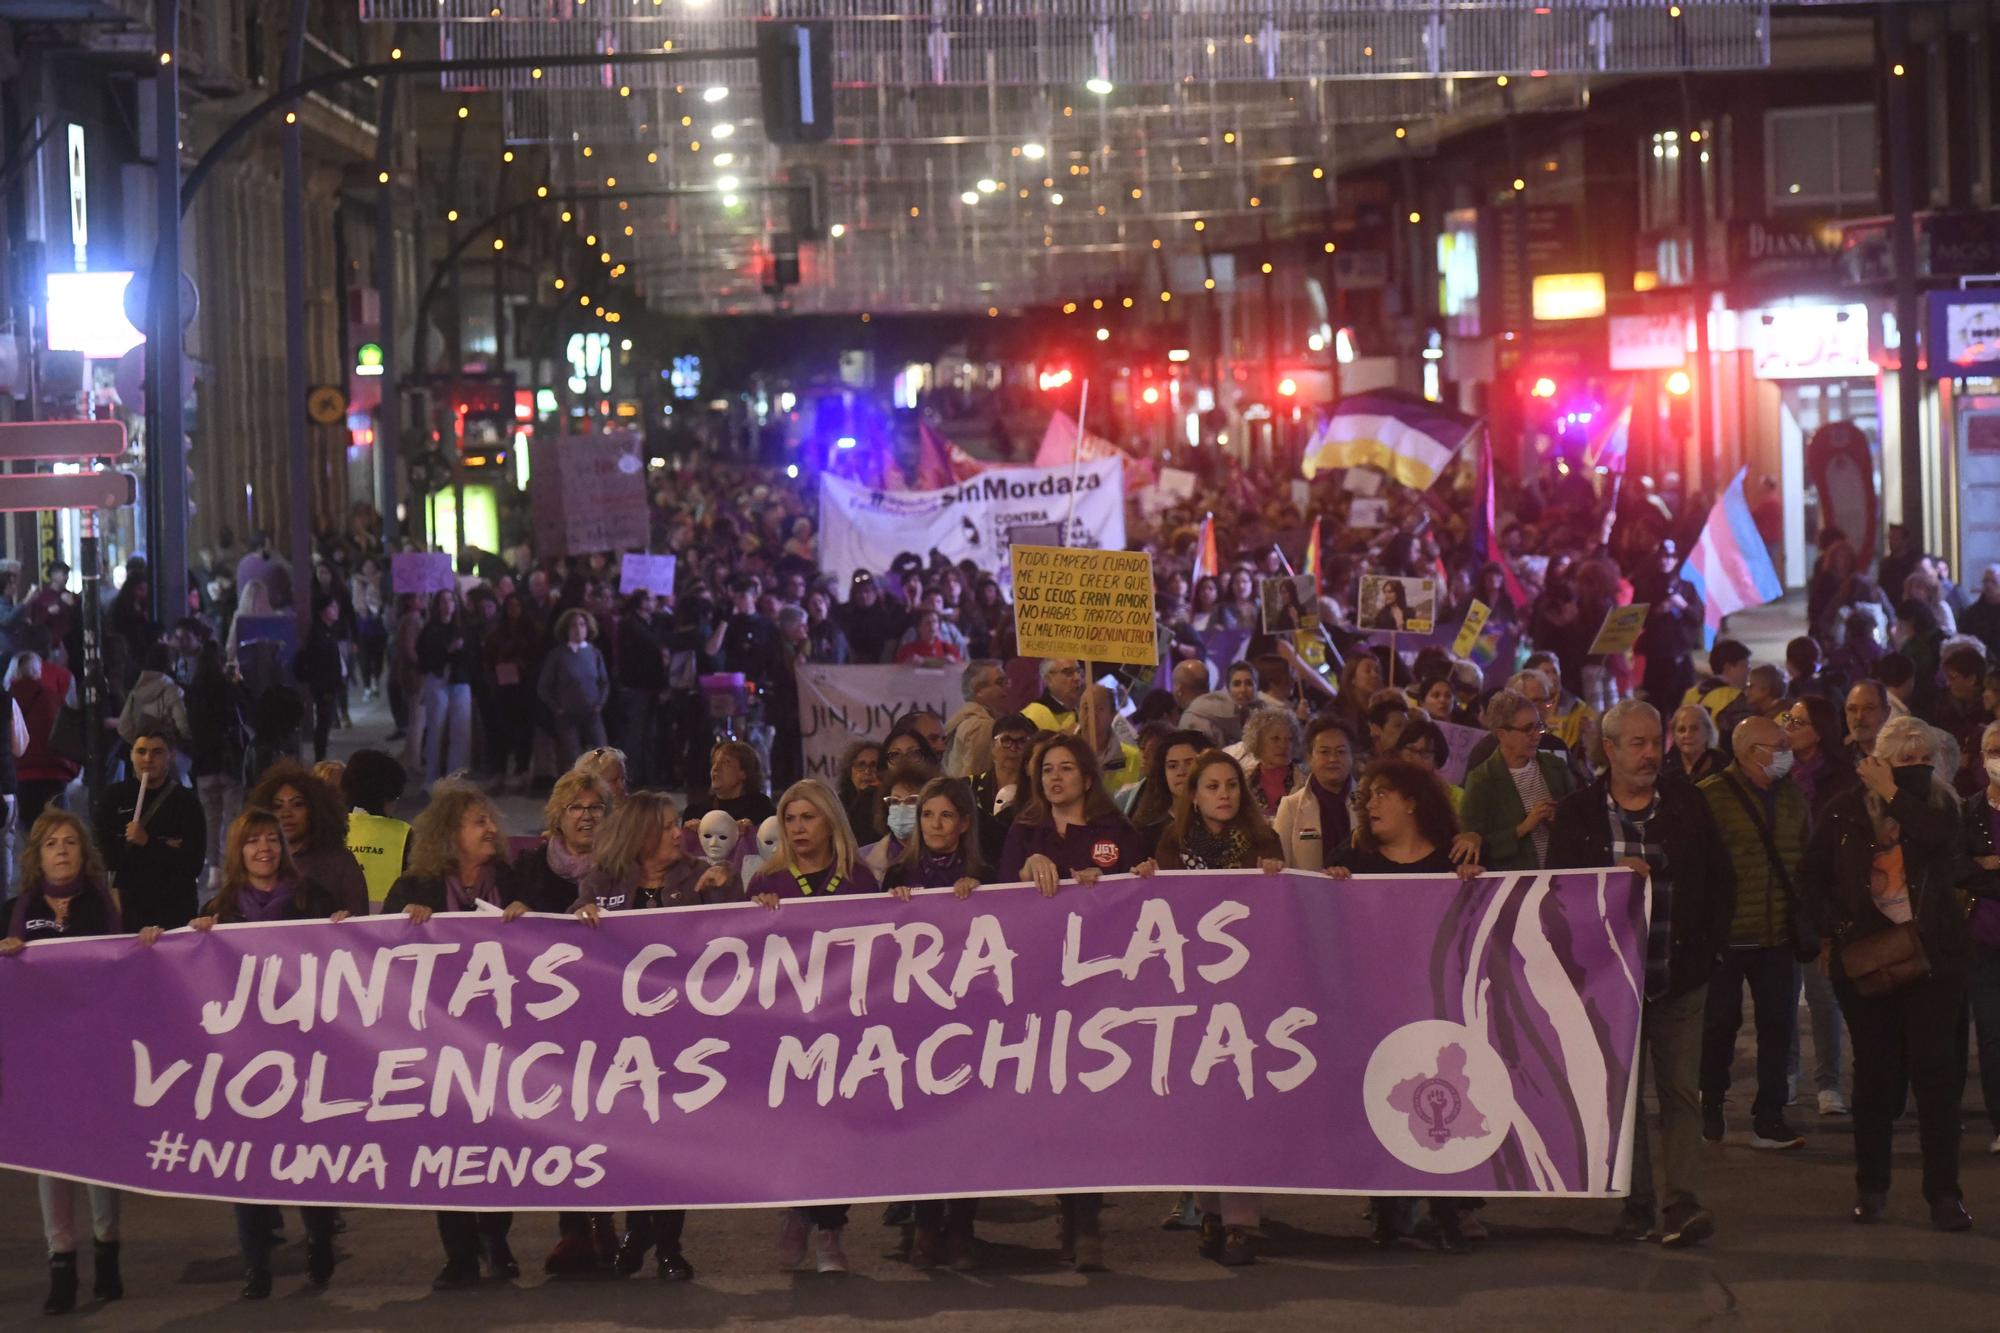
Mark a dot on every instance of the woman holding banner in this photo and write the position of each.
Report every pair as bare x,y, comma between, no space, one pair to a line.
1069,829
1317,821
640,863
260,883
1407,829
457,864
1217,826
817,858
943,853
63,897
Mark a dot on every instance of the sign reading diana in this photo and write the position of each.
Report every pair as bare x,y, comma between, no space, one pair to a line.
863,528
1240,1031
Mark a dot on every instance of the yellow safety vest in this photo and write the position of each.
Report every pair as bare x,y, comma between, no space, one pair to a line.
377,842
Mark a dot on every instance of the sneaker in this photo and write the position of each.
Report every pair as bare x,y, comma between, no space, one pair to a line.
1686,1224
1832,1103
1711,1121
1775,1135
828,1254
1184,1216
792,1240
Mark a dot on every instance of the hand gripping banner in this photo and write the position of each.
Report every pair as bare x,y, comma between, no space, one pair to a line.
1213,1030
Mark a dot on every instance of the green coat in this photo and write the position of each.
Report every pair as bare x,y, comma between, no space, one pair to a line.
1763,903
1493,809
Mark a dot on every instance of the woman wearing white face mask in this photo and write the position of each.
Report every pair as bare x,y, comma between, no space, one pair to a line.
896,805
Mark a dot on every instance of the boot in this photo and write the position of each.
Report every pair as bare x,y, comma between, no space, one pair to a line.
319,1262
632,1250
604,1239
256,1284
105,1283
62,1284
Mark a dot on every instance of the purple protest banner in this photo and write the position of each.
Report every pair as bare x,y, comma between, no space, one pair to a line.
1267,1033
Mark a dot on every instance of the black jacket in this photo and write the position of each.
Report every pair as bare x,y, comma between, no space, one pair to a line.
539,886
1704,880
430,891
155,882
1839,859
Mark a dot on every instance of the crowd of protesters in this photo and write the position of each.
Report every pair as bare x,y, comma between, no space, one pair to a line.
1823,827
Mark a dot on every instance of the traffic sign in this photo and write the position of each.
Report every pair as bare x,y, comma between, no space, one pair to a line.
67,441
27,493
326,405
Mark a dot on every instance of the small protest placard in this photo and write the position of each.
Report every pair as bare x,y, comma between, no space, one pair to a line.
646,573
1468,633
1289,603
1620,629
1398,605
422,572
1367,513
1092,605
1458,744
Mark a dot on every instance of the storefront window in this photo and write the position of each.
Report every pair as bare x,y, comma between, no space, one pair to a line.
1811,404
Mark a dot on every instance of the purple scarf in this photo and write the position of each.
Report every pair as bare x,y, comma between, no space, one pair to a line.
69,888
569,865
462,897
253,904
1335,824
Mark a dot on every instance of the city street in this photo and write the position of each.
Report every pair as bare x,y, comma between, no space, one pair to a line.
1784,1257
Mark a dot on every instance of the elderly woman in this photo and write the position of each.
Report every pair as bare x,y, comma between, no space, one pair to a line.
1271,751
735,787
1511,796
1880,870
458,861
608,767
1696,750
552,874
314,820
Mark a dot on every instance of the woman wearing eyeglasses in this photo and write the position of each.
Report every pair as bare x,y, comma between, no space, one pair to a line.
896,813
1819,765
1423,743
550,880
1407,829
1510,797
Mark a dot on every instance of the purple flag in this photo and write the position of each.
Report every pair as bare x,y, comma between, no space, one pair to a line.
1212,1030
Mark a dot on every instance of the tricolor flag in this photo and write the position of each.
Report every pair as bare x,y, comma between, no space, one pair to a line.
1207,564
1409,438
1728,564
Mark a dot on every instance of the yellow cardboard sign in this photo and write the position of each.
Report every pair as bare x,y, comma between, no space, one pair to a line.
1620,629
1468,633
1093,605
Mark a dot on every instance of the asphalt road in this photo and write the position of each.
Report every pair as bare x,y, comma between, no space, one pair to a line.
1785,1257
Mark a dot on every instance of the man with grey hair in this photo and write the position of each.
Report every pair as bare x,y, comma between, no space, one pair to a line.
968,735
1665,833
1763,818
1062,687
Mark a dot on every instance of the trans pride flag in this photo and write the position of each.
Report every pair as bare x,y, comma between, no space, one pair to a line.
1728,564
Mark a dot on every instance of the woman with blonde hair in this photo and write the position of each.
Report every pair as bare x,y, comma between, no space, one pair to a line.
641,863
1272,749
816,858
62,896
607,765
458,861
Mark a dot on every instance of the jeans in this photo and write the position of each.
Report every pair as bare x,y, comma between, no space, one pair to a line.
447,711
1985,995
1670,1042
59,1212
1235,1210
632,712
1906,1042
1828,1030
221,801
257,1225
464,1234
1770,972
575,733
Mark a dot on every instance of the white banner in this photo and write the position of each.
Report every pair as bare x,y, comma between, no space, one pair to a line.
842,704
977,520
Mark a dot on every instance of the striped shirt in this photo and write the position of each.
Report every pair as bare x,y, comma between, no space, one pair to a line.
1534,789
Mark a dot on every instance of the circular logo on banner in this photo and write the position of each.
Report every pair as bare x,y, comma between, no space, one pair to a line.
1105,853
628,463
1438,1097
